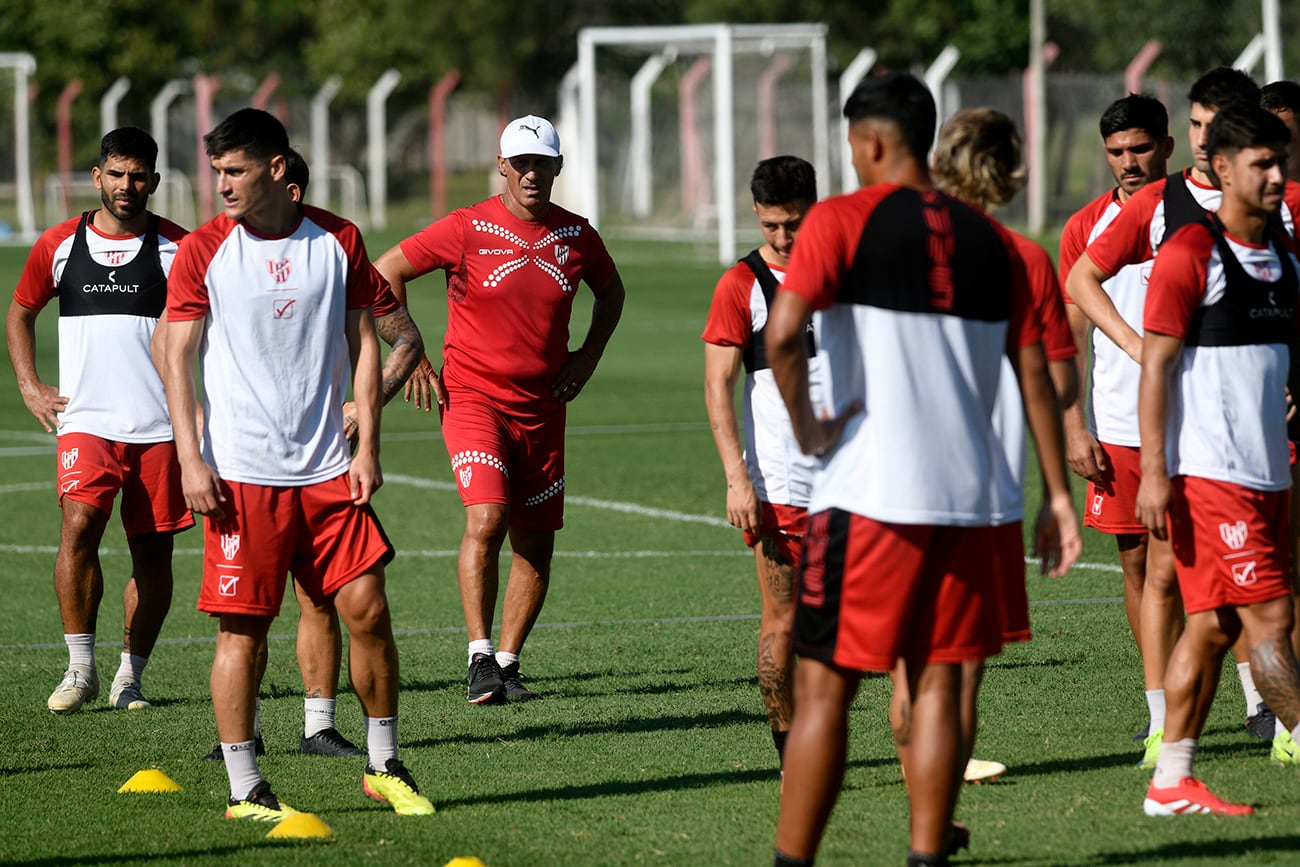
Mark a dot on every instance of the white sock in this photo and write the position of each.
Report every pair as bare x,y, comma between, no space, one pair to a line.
81,649
1156,707
241,768
381,740
1279,726
480,645
1175,762
131,670
1253,698
504,659
318,715
1295,733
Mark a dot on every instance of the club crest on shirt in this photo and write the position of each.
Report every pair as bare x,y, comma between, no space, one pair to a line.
466,473
279,270
229,545
561,253
115,257
1234,535
69,458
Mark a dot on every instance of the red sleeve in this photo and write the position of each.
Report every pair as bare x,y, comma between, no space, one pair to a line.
364,283
597,265
1074,238
1291,198
385,302
170,230
1127,240
187,288
438,245
1024,328
1049,306
730,322
828,240
36,285
1177,285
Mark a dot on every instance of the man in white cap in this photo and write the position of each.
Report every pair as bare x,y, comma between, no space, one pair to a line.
513,266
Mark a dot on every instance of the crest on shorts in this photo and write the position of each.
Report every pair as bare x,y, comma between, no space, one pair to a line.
229,545
1096,503
1234,535
561,253
466,473
69,458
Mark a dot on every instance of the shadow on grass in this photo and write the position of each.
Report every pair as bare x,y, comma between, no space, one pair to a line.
993,664
1127,758
41,769
637,725
1228,849
133,857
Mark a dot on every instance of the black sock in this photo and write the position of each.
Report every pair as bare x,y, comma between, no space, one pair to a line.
778,738
916,859
784,860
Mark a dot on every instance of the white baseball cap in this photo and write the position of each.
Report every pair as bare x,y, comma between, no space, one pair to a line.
529,135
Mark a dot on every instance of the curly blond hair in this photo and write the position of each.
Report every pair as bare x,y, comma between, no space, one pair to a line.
977,158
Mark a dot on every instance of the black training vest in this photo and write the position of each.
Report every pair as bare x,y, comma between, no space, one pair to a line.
134,288
1182,209
1250,311
755,354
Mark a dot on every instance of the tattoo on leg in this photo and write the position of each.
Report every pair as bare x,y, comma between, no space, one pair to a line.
780,572
315,692
1277,676
774,684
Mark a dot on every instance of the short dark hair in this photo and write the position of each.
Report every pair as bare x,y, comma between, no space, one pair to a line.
783,179
129,142
1136,111
295,170
1278,95
1222,85
900,98
1241,125
255,132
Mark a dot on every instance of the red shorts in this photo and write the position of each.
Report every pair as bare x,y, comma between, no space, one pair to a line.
872,593
1231,544
1009,563
1111,507
786,526
510,458
314,531
92,470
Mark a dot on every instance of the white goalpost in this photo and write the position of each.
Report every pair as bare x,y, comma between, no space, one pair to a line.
640,160
23,66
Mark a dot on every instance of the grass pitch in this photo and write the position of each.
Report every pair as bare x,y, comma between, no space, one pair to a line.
650,745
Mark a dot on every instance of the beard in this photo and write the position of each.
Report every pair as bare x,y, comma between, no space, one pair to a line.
123,211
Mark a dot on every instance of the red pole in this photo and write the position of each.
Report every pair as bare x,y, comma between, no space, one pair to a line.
438,95
262,95
693,180
66,99
205,87
767,82
1137,67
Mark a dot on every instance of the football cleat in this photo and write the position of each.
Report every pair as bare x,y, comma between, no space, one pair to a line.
513,682
125,695
1260,723
1151,749
1285,751
78,687
329,742
260,805
485,684
394,786
1189,797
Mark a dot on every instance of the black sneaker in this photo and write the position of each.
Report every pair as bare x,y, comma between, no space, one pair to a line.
485,684
259,749
513,682
329,743
1260,723
958,839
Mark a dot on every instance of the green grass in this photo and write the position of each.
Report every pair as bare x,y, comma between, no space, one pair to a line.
650,745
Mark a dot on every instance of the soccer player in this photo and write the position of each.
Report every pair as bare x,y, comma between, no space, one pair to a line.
108,268
977,158
319,639
513,266
1133,238
1103,448
921,297
1219,317
1283,99
768,478
275,299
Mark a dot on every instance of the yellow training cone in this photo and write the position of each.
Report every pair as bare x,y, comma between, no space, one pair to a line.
149,780
300,826
465,862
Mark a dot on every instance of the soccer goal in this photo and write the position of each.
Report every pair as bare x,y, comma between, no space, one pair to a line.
17,207
662,126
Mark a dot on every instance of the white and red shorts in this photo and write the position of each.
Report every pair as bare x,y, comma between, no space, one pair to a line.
1111,506
1231,543
92,470
786,526
514,459
314,532
872,593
